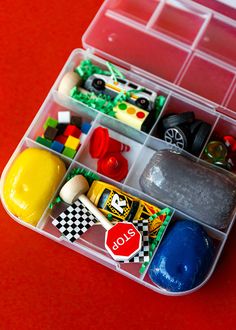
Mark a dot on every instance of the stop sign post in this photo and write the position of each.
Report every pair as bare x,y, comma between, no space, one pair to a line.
122,240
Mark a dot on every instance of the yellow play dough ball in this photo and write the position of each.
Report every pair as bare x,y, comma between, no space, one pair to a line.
31,182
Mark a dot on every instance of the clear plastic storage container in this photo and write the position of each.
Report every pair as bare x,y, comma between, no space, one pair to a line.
178,48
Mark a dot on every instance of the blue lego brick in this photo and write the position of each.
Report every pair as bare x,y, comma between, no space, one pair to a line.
85,127
57,146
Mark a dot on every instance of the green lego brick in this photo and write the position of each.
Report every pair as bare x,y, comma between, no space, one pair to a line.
50,122
44,142
68,152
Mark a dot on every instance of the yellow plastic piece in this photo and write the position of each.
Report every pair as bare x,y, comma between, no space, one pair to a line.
129,116
72,142
31,182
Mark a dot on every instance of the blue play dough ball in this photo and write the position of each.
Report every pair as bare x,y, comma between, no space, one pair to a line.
184,257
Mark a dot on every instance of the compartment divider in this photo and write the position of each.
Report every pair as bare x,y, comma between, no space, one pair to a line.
229,92
42,222
159,116
74,105
83,145
141,27
201,31
214,60
209,136
155,14
33,143
89,252
142,276
184,68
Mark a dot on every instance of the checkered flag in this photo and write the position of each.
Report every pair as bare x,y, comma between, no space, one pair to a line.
74,221
143,254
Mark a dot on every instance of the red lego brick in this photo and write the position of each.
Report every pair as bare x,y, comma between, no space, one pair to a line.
73,131
61,138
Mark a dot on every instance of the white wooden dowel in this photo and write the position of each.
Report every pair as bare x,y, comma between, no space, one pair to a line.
95,211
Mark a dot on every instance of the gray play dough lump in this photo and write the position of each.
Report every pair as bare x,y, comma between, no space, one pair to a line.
191,187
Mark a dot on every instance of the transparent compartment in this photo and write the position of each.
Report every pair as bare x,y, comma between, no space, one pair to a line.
179,201
94,237
130,125
25,144
131,155
52,109
134,9
224,127
112,42
219,40
232,100
177,105
179,20
207,79
122,23
218,239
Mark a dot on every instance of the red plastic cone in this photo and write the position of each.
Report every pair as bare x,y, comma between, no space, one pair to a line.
101,143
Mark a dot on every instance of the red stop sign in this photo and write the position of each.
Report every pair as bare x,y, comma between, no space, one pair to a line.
123,241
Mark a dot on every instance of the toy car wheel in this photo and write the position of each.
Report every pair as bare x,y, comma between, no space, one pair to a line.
178,119
200,138
176,136
194,126
98,84
142,102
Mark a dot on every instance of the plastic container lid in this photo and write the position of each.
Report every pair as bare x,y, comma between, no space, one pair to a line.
171,40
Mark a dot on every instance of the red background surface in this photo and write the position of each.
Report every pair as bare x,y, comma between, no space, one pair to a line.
44,285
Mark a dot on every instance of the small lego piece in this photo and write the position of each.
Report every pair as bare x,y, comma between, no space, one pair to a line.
61,138
68,152
61,128
72,142
57,146
50,122
77,121
85,127
73,131
130,114
64,117
50,133
44,141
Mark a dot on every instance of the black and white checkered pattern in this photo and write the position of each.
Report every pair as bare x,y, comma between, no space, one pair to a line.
143,254
74,221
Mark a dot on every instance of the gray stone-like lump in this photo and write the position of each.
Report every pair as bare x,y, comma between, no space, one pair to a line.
193,188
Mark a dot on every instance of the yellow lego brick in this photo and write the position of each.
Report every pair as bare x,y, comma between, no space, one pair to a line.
72,142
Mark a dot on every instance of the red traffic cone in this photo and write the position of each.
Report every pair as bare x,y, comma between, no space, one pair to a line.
101,143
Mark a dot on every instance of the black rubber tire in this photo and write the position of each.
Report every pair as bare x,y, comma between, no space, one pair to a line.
200,138
178,119
142,103
177,136
193,128
98,84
